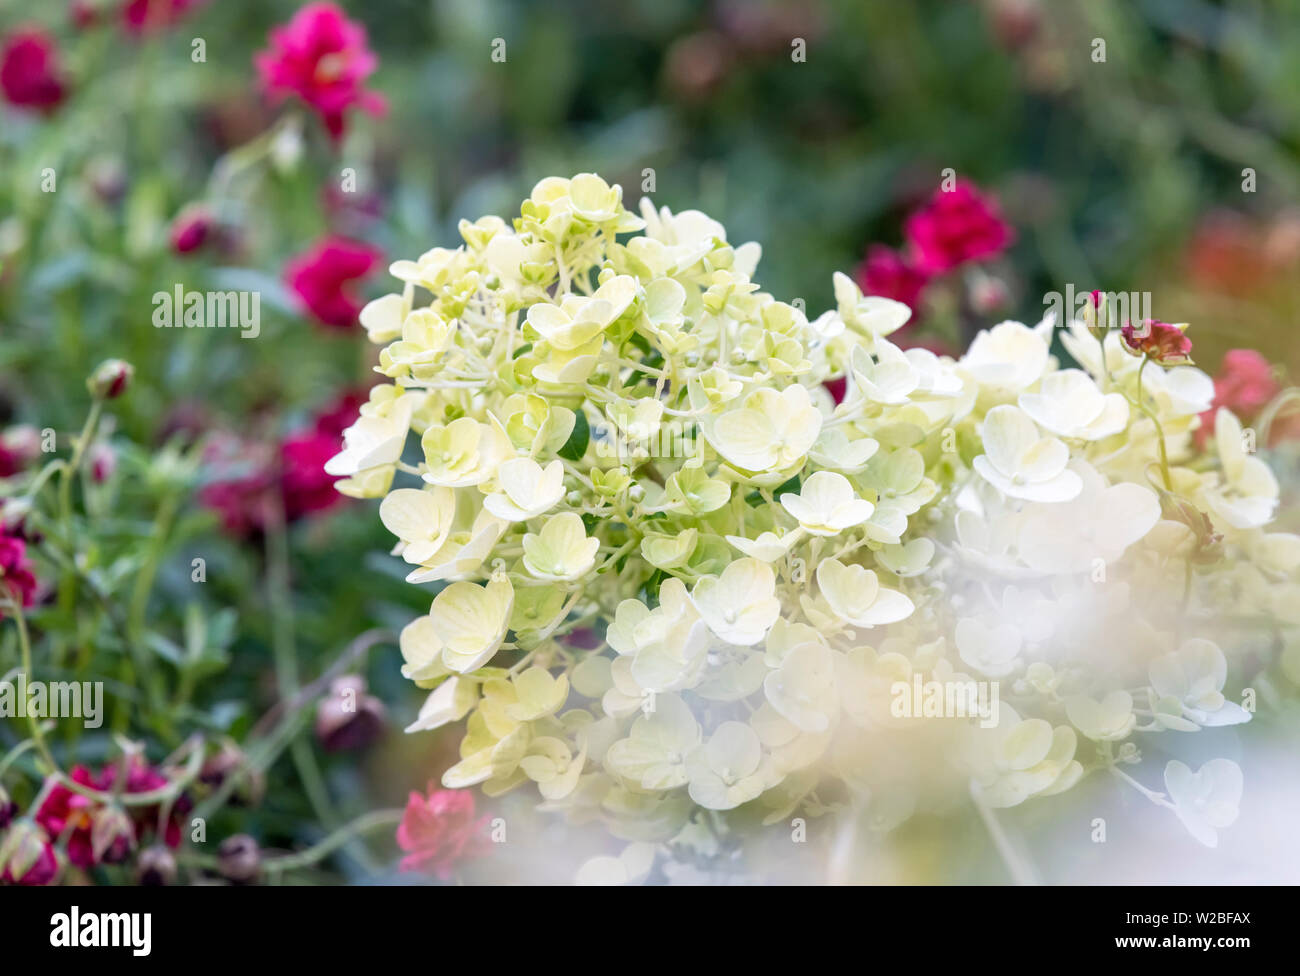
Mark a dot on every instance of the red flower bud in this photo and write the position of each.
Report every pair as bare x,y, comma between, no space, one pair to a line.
239,859
110,378
348,718
156,865
191,229
29,71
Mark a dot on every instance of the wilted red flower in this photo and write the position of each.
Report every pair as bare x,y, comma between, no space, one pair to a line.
322,276
142,16
957,226
29,857
889,274
321,57
30,76
439,831
191,228
15,570
1167,344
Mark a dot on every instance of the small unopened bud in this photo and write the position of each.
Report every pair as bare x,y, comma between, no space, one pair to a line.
224,763
26,856
989,294
110,378
19,447
239,859
156,865
1095,311
191,228
348,718
111,835
103,462
106,178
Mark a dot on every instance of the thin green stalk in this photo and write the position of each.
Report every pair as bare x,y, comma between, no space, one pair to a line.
74,465
374,820
25,649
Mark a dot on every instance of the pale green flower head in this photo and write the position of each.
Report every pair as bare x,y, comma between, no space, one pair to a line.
669,577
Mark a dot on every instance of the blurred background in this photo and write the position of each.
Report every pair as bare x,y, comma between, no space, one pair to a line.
1133,145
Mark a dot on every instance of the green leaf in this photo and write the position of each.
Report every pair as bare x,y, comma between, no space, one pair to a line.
576,446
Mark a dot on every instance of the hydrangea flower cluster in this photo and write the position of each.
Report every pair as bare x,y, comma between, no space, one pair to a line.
669,574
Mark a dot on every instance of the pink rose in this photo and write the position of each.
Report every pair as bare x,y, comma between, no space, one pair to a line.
439,830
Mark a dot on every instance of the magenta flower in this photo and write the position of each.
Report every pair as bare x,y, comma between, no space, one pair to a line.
16,574
322,276
321,57
96,834
30,76
306,487
439,831
957,226
143,16
246,502
68,815
887,273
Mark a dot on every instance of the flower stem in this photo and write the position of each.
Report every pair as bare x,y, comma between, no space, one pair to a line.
319,851
25,649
